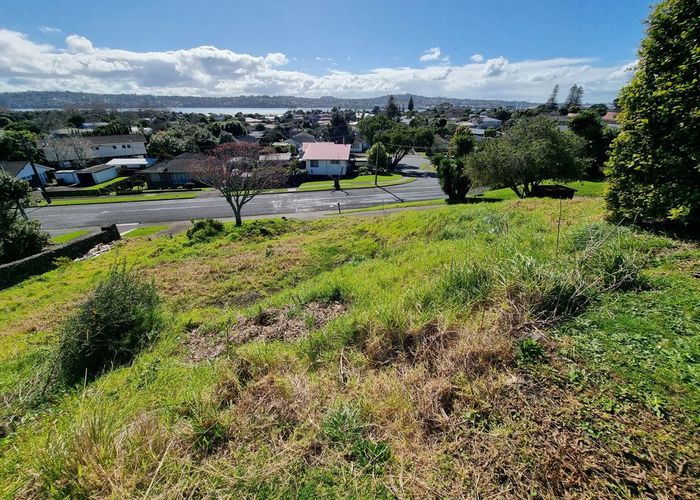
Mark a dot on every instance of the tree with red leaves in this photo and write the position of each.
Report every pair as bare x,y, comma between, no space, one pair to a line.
236,171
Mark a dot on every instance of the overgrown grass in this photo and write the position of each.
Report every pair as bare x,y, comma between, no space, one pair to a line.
65,238
464,353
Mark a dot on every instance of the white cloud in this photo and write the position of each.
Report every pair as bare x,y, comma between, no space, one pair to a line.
49,29
477,58
495,67
212,71
432,54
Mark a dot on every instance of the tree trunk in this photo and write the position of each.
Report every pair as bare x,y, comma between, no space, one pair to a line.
239,221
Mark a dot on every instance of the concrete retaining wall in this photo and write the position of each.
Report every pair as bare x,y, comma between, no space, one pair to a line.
19,270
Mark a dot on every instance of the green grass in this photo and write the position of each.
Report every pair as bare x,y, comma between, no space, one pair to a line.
362,181
583,188
141,232
65,238
104,184
448,352
119,199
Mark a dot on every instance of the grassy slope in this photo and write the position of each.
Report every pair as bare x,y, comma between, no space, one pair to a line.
420,388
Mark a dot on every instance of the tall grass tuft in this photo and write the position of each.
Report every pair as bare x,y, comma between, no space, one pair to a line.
119,319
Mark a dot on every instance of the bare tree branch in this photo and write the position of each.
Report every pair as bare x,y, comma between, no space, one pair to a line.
235,170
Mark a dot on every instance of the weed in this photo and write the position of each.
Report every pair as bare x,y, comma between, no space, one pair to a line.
529,352
205,230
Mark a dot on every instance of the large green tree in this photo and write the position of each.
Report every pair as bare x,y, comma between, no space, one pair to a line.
530,151
597,136
654,168
401,139
392,109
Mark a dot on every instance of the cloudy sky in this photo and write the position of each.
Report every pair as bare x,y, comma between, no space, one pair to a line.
455,48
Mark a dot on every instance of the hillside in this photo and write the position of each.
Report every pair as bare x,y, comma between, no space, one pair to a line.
56,99
454,351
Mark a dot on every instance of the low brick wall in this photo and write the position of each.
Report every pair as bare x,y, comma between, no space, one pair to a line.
19,270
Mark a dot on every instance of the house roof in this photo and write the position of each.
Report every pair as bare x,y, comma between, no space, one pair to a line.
303,137
276,157
128,161
95,169
115,139
326,151
180,163
15,167
611,116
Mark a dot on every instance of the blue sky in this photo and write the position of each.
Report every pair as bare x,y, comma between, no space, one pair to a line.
498,48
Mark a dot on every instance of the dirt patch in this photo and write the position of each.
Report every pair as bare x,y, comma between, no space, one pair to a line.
287,323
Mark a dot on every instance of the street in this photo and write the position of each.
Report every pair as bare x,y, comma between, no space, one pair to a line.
86,216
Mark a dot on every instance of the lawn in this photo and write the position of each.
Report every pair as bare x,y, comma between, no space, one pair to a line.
459,351
584,188
65,238
362,181
104,184
57,202
141,232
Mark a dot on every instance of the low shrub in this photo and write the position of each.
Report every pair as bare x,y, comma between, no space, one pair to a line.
205,230
119,319
21,239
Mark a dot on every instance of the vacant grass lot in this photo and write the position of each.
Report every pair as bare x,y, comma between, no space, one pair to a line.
442,353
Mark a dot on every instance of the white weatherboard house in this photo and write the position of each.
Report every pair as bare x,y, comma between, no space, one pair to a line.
23,170
100,147
326,158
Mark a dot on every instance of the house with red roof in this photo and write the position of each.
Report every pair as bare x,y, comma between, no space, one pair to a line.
326,158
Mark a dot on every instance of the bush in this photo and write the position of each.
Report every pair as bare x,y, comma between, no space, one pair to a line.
653,168
119,319
205,230
22,239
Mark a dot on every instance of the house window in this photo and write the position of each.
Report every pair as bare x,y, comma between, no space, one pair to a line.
335,162
128,145
314,163
123,146
114,147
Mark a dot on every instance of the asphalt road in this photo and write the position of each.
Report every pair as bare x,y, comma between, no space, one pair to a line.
86,216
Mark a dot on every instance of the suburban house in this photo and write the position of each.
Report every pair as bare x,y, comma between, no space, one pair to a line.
359,146
100,147
326,158
170,173
96,175
299,139
23,170
487,122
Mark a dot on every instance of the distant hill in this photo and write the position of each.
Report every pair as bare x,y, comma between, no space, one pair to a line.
47,100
